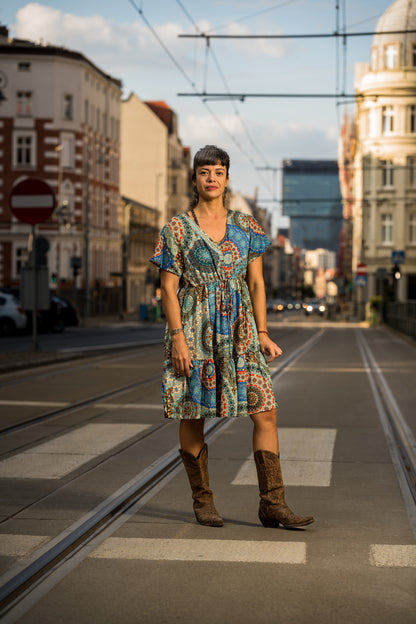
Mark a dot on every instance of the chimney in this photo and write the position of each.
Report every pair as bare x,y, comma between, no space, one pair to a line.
4,34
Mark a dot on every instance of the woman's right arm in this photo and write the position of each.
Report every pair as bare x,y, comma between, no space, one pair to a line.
181,360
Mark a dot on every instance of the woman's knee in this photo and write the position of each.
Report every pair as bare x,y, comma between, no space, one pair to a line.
265,420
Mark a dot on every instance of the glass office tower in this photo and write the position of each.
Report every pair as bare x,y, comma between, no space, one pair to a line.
312,199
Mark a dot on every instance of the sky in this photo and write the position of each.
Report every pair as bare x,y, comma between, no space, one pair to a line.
125,37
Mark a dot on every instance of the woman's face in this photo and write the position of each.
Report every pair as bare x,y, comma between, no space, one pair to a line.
211,181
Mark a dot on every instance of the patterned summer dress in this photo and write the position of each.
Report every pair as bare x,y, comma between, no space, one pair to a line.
230,376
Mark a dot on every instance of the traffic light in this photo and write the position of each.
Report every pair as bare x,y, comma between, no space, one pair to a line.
396,272
54,278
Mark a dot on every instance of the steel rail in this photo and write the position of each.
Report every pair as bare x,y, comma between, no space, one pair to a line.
402,434
16,585
63,411
70,541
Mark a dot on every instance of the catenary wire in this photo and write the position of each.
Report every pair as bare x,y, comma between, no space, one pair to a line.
192,84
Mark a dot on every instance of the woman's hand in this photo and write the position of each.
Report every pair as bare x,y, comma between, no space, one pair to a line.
269,348
181,358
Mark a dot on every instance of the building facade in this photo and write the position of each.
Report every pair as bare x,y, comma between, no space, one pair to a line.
179,187
384,220
60,122
312,199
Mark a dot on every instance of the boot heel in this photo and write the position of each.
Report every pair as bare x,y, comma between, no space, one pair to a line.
269,523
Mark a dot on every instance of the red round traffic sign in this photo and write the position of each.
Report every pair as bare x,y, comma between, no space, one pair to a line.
362,269
32,201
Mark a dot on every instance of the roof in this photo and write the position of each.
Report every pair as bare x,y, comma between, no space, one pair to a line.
20,46
163,111
401,15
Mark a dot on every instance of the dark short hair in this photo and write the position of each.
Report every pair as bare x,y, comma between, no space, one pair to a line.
211,155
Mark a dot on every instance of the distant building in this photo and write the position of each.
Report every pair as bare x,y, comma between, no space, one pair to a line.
59,121
312,199
384,220
179,190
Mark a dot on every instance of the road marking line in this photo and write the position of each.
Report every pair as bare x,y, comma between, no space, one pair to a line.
393,556
60,456
129,406
306,457
20,545
35,403
240,551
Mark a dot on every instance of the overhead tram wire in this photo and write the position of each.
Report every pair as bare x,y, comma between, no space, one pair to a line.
300,36
256,14
224,81
190,82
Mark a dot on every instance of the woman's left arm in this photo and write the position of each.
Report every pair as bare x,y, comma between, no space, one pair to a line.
255,283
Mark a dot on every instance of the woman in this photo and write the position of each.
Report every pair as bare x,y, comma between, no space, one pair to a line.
216,336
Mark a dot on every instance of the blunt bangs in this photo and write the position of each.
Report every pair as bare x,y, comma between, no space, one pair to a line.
211,155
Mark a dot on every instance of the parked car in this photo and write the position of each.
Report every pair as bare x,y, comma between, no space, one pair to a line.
69,312
12,317
315,306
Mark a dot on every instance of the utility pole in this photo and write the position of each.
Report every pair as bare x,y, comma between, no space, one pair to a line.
86,235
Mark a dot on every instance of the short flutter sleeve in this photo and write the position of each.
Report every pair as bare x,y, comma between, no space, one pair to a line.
259,242
168,253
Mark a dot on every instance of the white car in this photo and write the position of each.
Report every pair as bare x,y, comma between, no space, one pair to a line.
12,317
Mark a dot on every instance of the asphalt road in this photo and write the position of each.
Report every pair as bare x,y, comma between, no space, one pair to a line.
356,564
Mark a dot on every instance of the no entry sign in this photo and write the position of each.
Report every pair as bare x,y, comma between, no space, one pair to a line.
32,201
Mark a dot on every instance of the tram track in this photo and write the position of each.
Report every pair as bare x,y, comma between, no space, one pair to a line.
400,439
20,583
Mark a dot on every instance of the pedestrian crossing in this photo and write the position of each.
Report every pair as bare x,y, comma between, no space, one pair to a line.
210,550
306,458
58,457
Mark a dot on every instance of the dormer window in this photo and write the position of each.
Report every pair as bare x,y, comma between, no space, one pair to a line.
391,56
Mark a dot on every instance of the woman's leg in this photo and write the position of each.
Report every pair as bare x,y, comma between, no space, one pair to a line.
191,435
273,509
194,454
265,436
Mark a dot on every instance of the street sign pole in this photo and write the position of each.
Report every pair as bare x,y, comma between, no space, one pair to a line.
33,201
35,343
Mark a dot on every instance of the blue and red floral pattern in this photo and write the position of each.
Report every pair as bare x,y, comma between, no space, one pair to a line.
230,376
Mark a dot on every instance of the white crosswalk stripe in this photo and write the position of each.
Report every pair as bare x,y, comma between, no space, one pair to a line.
306,458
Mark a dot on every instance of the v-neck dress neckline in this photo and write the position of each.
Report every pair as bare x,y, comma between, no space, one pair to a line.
199,229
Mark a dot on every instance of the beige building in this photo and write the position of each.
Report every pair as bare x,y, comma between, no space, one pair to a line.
179,187
143,185
59,122
384,220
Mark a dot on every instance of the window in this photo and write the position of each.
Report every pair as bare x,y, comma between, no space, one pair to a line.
387,172
68,151
24,103
412,228
24,150
387,229
388,119
68,107
174,185
20,259
23,66
391,56
412,118
411,167
413,55
86,112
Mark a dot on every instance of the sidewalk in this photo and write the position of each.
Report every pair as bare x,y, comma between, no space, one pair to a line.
19,360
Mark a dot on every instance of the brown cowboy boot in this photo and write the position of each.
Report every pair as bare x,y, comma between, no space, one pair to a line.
273,509
197,470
